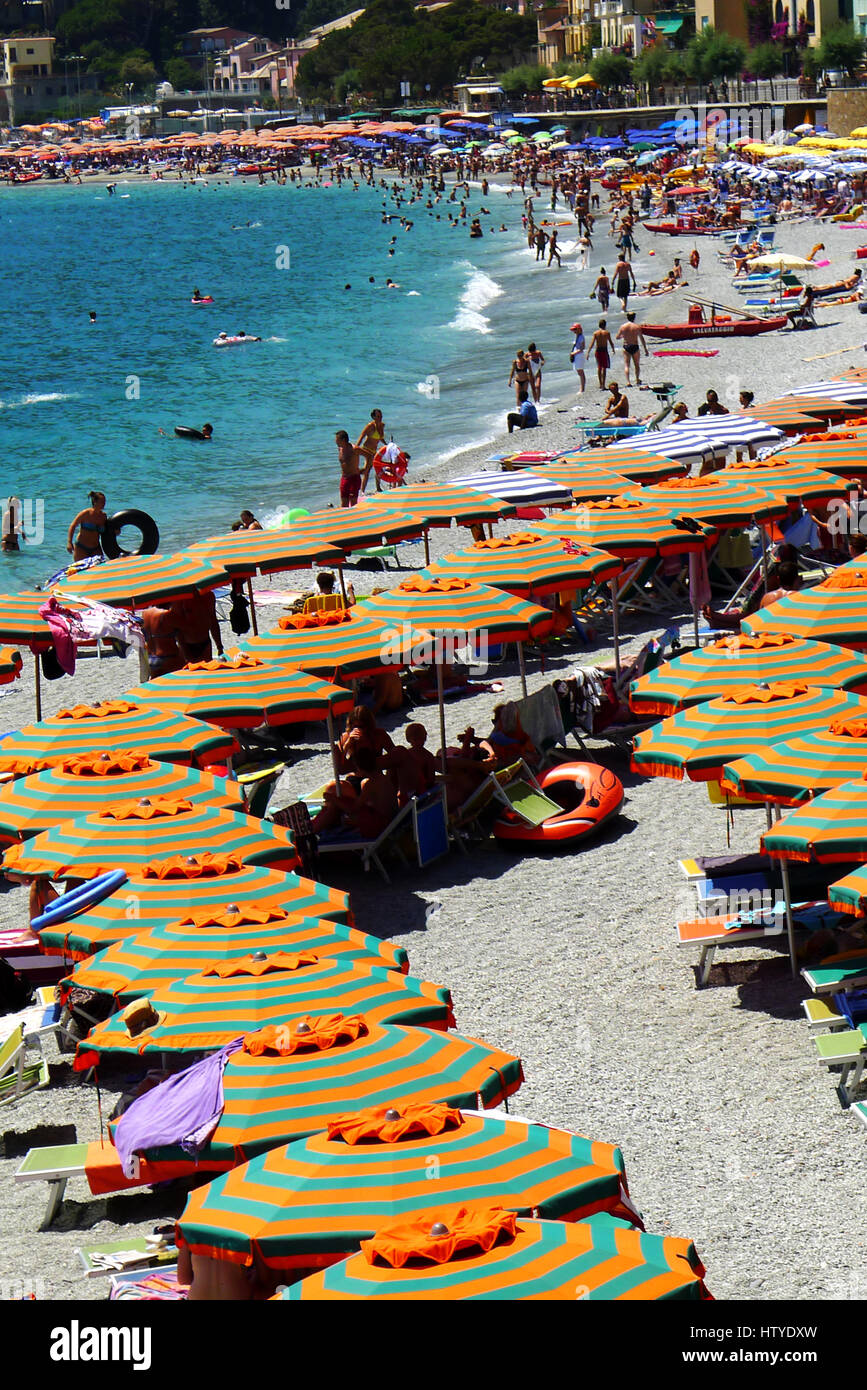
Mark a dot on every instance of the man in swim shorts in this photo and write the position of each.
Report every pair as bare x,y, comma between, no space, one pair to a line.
631,335
160,627
624,281
350,475
601,346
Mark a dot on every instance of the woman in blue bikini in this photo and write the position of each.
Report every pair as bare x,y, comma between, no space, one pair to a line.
91,525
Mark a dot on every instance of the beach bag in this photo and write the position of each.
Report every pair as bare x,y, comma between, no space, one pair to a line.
51,667
735,551
239,615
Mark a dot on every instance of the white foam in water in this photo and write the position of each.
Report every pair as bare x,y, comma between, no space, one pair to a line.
480,291
38,398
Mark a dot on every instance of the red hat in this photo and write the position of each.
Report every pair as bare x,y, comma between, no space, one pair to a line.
576,328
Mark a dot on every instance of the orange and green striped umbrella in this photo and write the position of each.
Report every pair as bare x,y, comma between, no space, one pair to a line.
639,466
585,481
134,581
439,504
113,726
737,661
784,414
525,564
150,829
79,785
796,768
201,1012
271,1097
830,829
795,482
717,499
833,611
698,741
20,620
458,607
500,1256
627,527
847,457
310,1203
244,691
243,900
342,645
248,552
10,664
349,528
849,894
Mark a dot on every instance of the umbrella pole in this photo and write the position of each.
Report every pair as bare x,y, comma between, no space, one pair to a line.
342,586
523,668
790,926
426,547
615,622
37,685
329,719
764,554
442,704
252,606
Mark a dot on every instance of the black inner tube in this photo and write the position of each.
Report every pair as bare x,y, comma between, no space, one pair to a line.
150,536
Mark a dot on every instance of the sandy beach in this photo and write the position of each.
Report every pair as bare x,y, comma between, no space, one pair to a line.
732,1135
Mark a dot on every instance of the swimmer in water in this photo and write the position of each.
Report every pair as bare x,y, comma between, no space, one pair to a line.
207,431
92,316
91,525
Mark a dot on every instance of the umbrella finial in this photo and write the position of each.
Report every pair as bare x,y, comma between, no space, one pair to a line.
302,1028
439,1228
392,1114
144,801
258,955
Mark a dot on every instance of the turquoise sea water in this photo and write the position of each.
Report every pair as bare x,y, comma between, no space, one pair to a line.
82,405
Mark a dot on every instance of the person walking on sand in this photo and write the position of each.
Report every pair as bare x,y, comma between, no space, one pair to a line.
602,290
624,280
536,360
520,374
631,335
578,355
350,474
367,443
601,346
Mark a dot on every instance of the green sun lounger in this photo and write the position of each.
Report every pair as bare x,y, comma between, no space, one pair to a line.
837,973
17,1075
55,1165
847,1050
118,1255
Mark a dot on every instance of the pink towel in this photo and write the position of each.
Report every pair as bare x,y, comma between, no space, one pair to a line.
699,580
61,625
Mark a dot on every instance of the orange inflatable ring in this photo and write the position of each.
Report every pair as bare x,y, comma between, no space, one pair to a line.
589,794
392,473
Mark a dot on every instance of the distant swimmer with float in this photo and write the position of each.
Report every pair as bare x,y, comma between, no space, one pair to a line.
199,298
189,432
224,340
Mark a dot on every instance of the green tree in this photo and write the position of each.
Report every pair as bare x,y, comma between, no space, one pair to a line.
841,49
137,68
527,77
649,68
767,61
611,69
182,75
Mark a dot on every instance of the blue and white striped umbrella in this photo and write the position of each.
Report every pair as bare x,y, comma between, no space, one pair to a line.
734,429
850,391
520,488
674,443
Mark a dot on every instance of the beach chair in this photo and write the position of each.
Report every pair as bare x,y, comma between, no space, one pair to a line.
119,1255
54,1164
540,717
836,974
257,784
323,603
296,819
521,793
371,851
766,237
378,554
17,1075
848,1051
467,816
823,1016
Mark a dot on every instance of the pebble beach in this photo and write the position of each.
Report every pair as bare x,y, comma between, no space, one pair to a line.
732,1134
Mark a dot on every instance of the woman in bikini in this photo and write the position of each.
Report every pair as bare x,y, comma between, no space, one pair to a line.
91,524
520,374
371,437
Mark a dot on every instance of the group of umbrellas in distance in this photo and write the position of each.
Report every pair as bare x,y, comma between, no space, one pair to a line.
341,1077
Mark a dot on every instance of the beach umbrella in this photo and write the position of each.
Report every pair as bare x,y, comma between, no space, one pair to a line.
243,692
627,527
344,644
615,164
697,742
170,940
716,498
779,260
86,782
849,894
352,528
794,482
638,465
20,622
134,581
802,766
851,392
833,611
675,443
523,488
738,661
113,726
457,611
308,1203
287,1083
585,482
227,998
527,565
441,504
846,457
542,137
477,1253
830,829
265,552
151,828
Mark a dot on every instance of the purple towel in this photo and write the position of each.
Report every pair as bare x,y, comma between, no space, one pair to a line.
184,1110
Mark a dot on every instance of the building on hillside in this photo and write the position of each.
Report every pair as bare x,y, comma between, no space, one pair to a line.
31,80
821,15
197,43
551,31
282,67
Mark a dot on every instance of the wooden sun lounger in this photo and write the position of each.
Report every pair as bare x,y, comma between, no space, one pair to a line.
55,1164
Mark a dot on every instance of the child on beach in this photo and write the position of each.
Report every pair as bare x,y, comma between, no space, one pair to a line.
414,767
